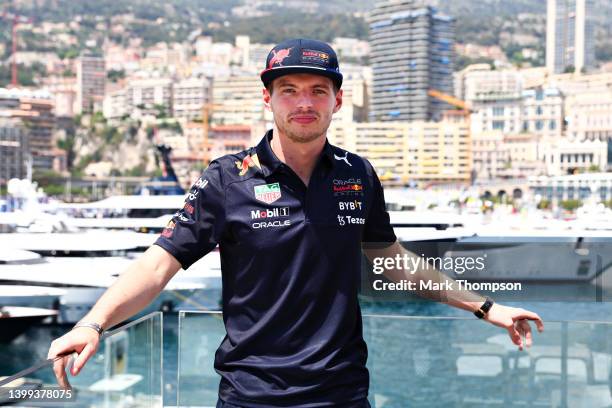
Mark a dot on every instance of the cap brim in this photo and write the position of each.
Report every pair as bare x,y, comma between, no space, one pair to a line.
271,74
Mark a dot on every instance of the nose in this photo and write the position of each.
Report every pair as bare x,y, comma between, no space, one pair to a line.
304,100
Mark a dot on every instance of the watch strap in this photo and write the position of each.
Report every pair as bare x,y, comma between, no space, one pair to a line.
484,309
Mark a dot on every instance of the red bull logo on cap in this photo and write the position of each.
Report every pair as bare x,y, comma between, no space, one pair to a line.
278,56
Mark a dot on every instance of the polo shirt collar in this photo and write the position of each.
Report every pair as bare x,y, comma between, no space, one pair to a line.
270,163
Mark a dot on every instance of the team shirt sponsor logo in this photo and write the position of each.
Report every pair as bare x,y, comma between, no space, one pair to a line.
247,163
192,195
347,187
271,224
267,216
181,217
268,193
349,205
189,209
344,159
169,230
349,220
201,183
270,213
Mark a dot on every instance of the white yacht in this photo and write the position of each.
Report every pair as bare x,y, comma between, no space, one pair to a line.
139,213
518,249
16,320
84,264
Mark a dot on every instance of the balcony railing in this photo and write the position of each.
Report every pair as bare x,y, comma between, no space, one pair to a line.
126,371
429,361
413,362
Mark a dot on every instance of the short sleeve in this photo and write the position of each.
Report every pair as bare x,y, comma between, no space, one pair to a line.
378,227
195,229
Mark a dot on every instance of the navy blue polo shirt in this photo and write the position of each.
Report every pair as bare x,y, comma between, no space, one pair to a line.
291,264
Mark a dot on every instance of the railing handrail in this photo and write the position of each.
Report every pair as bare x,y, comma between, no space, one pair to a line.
411,317
50,361
131,324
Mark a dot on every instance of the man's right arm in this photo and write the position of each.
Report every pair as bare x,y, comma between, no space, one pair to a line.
142,282
193,231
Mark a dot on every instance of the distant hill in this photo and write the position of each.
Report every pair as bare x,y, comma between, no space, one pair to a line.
482,22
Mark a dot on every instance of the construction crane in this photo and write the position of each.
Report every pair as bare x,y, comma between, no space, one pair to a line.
206,111
451,100
15,19
464,110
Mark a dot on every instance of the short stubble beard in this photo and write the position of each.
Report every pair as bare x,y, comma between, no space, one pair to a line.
303,135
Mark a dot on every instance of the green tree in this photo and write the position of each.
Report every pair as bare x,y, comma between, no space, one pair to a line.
570,205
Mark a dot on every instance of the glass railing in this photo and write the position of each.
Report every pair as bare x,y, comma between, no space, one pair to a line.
200,333
126,371
450,362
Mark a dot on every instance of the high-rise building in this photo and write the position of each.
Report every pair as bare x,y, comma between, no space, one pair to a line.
91,80
189,96
150,94
14,149
238,100
35,110
570,36
411,52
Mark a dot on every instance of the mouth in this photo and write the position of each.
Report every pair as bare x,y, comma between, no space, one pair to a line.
303,119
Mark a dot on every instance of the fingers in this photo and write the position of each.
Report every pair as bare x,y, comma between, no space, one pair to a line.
82,358
526,314
84,343
59,369
515,336
525,330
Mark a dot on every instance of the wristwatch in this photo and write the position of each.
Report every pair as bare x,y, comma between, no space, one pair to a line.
484,309
91,325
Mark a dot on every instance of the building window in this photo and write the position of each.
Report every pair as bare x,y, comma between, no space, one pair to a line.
584,192
539,124
498,111
560,193
498,124
539,95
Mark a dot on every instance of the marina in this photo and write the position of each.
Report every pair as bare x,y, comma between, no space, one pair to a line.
62,260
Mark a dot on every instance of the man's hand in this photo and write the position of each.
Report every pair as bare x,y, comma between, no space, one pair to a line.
82,340
516,322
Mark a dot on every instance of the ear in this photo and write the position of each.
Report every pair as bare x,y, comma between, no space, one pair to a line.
338,101
266,99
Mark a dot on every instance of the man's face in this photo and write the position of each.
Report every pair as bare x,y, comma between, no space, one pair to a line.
302,105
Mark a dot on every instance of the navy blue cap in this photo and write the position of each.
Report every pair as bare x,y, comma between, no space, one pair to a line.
299,56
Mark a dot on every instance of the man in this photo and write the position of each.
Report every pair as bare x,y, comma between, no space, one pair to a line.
290,216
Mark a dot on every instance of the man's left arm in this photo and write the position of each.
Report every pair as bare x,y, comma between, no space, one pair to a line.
514,320
378,230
